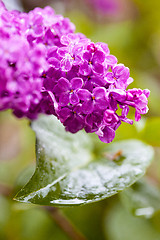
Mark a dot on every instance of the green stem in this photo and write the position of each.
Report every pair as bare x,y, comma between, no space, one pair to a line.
64,223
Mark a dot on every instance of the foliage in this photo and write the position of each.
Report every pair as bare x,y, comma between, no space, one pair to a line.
134,38
70,172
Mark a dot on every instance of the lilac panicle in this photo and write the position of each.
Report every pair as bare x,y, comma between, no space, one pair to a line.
47,68
104,7
24,40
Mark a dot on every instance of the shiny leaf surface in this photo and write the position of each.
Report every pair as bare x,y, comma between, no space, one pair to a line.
142,199
70,172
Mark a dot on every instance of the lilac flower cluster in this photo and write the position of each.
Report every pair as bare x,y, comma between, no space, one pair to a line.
85,86
47,68
104,7
24,39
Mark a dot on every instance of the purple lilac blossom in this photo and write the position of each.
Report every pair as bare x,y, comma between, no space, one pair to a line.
90,88
20,88
104,7
47,68
24,40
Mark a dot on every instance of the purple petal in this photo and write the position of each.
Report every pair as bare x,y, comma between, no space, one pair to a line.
110,118
101,101
55,104
137,116
38,30
127,120
62,51
99,57
106,134
76,83
54,62
87,56
84,94
74,98
78,109
141,102
52,52
89,119
111,60
103,47
99,92
74,124
98,68
93,122
49,37
88,123
64,99
110,77
77,60
78,48
64,85
65,40
66,64
125,111
129,81
122,72
118,94
101,104
64,113
146,92
85,69
87,107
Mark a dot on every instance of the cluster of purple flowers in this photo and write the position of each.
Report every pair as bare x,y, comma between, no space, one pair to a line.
47,68
104,7
24,40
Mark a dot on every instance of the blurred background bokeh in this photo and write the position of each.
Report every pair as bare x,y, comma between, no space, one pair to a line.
131,28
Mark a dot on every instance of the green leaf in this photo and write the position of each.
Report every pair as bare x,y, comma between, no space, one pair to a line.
70,172
142,199
119,224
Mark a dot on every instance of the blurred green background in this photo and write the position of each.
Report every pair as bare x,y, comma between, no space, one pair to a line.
132,32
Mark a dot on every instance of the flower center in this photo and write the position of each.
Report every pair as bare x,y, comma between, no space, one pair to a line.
12,64
43,75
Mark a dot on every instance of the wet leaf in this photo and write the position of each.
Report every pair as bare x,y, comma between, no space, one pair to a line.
69,172
142,199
